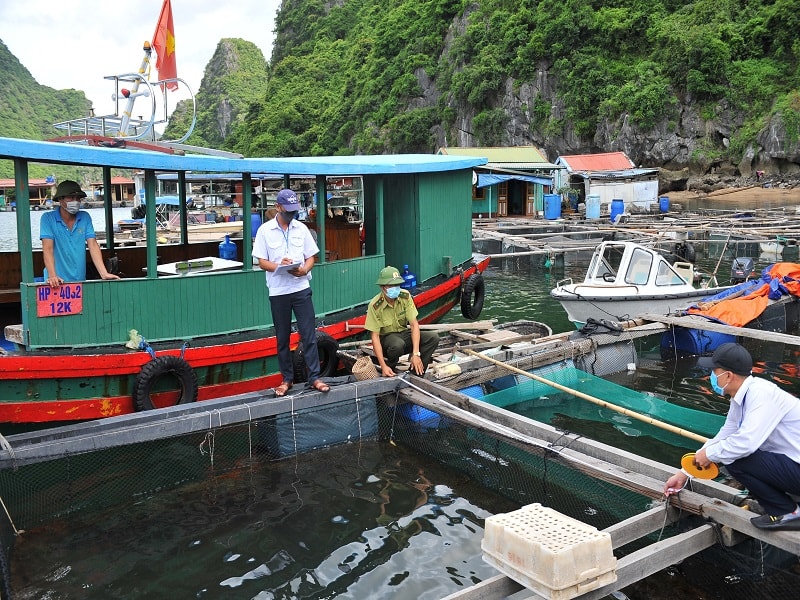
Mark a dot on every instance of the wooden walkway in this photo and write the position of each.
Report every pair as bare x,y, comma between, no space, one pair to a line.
696,322
728,523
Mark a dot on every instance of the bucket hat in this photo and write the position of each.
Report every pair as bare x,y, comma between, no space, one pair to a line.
731,357
389,276
69,188
288,200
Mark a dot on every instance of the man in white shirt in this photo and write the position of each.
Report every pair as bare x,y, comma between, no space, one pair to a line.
759,442
284,240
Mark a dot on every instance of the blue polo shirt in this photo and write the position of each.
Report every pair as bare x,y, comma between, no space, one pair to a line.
69,245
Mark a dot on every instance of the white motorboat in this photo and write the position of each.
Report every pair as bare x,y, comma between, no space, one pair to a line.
625,280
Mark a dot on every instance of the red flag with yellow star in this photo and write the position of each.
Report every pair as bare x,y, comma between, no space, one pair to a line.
164,45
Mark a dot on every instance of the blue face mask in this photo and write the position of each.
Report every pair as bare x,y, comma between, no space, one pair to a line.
715,384
392,293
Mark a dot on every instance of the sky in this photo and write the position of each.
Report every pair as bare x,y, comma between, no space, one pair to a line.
76,43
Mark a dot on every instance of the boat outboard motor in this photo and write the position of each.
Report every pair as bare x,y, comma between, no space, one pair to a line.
741,269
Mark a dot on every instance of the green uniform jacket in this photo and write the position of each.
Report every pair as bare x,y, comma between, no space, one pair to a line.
386,318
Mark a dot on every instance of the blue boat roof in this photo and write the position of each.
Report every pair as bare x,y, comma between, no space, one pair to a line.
54,152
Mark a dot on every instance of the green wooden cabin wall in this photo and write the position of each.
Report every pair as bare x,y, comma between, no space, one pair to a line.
427,219
187,307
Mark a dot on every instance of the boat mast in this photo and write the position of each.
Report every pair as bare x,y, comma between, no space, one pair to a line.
134,93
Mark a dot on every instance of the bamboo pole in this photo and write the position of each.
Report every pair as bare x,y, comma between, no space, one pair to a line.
635,415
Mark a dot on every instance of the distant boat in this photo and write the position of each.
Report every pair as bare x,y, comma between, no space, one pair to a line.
627,279
207,332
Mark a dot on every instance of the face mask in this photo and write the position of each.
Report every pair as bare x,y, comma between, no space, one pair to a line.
73,206
287,216
392,293
715,384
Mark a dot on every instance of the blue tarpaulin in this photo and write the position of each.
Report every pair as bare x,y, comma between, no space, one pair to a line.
487,179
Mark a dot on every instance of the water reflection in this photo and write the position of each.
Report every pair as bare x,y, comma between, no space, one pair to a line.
384,522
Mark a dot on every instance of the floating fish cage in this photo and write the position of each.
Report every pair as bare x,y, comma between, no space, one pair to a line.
245,465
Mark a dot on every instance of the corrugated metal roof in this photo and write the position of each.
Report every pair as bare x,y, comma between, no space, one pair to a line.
514,157
604,161
313,165
622,174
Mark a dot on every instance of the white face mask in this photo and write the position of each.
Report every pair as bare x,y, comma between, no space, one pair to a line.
73,206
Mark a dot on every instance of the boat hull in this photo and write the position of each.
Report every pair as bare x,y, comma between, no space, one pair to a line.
613,306
39,386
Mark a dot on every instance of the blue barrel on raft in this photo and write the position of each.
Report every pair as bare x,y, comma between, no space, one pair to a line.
552,206
663,204
617,208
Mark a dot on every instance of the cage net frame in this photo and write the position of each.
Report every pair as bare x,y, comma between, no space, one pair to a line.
93,480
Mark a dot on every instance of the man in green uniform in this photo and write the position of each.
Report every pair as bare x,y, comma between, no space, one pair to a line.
389,316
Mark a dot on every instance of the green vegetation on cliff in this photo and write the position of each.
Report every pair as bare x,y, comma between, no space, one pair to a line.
28,110
364,76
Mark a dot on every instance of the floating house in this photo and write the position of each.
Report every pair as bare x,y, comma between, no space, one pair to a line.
611,176
512,183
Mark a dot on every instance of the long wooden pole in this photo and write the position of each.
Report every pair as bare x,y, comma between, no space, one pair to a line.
598,401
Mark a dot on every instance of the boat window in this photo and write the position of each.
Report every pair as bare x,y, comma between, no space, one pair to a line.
667,276
639,267
605,261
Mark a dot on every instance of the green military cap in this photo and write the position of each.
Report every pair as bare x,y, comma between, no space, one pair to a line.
389,276
69,188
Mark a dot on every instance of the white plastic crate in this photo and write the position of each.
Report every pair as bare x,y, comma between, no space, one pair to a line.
555,555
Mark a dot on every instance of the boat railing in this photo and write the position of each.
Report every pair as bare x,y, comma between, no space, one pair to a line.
122,124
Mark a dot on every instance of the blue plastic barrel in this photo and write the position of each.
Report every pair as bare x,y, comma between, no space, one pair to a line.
663,203
617,208
255,222
593,207
409,279
552,206
227,249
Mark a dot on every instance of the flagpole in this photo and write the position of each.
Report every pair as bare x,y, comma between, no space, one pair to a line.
126,113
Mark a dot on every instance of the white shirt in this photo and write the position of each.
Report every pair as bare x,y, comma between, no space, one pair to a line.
761,416
273,244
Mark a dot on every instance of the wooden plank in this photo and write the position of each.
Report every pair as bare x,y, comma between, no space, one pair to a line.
629,471
642,524
493,588
651,559
705,325
630,569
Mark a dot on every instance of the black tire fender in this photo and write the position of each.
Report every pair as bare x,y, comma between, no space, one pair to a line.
160,366
472,296
328,350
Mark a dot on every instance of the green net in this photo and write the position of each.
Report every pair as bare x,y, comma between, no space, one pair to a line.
360,498
543,402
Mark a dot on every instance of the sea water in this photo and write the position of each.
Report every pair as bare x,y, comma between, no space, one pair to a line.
300,529
384,522
8,225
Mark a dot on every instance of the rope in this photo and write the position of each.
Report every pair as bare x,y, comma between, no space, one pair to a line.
10,520
208,439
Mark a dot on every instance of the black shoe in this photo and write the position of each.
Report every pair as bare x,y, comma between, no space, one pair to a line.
780,522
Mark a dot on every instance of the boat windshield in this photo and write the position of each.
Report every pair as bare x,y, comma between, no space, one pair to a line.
605,263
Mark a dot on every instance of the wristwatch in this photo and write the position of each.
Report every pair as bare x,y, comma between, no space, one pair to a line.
417,353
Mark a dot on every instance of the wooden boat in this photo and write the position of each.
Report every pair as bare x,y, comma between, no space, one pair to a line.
626,279
209,333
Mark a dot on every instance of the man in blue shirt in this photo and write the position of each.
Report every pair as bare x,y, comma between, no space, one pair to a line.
759,442
65,233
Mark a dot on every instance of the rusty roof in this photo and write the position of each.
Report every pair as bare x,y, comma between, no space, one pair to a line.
604,161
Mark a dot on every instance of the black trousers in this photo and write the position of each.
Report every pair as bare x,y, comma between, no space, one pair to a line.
282,307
